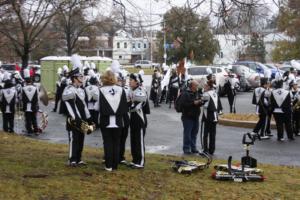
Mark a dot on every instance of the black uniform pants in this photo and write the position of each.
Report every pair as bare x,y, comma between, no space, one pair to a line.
209,137
262,124
111,140
173,92
76,142
95,117
231,98
296,118
137,145
57,97
124,134
8,122
31,122
283,119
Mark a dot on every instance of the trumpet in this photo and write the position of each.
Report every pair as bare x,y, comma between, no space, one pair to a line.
296,106
84,127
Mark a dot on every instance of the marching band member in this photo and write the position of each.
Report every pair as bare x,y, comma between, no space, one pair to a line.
77,113
58,91
138,120
211,108
8,97
92,97
126,119
30,103
261,99
173,87
230,87
281,108
64,82
113,106
295,93
155,88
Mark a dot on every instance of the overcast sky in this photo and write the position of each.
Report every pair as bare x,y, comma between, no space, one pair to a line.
141,8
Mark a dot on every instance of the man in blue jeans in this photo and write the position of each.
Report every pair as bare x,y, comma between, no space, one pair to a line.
191,104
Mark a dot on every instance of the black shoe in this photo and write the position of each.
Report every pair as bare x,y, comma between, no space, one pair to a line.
54,110
81,163
73,164
136,166
195,151
187,153
291,139
280,139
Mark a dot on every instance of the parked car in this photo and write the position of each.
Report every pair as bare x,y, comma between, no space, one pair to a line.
274,69
35,72
145,64
249,79
258,67
12,68
199,74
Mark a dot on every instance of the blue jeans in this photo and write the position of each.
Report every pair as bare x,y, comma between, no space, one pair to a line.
190,131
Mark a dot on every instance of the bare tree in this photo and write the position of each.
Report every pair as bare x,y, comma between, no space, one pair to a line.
23,22
71,22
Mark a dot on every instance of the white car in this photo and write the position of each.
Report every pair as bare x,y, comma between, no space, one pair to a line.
199,73
145,64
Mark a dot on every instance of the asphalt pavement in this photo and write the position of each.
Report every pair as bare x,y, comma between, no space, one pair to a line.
164,135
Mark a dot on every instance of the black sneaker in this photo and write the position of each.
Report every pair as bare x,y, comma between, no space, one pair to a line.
82,163
73,164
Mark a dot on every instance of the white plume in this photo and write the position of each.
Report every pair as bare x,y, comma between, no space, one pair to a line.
65,68
209,71
59,70
278,76
93,66
115,66
75,60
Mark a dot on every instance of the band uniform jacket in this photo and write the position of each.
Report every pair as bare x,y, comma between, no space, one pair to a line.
30,98
281,101
261,98
8,99
212,106
74,99
92,97
139,107
113,106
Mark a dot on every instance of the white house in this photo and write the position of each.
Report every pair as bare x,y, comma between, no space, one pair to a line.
128,49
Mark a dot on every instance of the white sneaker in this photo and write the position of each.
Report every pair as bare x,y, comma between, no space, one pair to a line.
108,169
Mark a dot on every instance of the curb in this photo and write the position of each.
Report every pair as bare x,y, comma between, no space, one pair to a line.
241,124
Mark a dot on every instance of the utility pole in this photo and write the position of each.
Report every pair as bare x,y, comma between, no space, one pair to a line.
165,49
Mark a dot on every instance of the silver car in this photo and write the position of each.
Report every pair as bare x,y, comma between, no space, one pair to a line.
249,79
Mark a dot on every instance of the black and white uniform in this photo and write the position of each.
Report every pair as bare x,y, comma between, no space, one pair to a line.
211,108
113,106
138,123
282,111
261,98
295,94
92,100
8,99
58,94
125,129
74,100
63,84
230,87
173,89
155,89
30,107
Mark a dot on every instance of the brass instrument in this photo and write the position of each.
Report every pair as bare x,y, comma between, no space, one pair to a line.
84,126
296,107
43,96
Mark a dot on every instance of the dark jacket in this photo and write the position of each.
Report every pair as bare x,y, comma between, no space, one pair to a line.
189,109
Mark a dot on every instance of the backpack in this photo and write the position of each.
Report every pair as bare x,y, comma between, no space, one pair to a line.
178,103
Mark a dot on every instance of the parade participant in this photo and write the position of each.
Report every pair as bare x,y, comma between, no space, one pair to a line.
261,99
190,103
211,108
230,86
64,82
124,133
92,97
8,97
77,113
58,91
138,120
173,87
113,106
155,88
295,93
30,103
281,108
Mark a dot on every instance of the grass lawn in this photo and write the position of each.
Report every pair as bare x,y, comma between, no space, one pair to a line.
147,71
31,169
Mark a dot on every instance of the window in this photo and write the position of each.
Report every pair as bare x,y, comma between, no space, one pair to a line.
133,45
118,45
120,57
139,45
221,54
197,71
219,70
145,45
125,45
